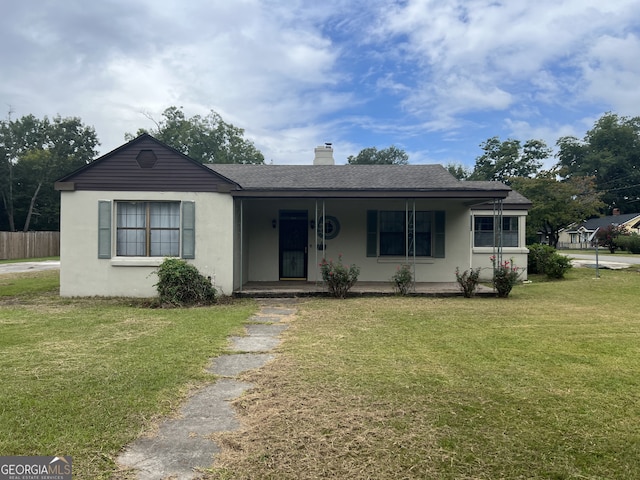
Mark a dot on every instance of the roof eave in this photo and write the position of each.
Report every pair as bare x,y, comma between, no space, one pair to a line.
355,193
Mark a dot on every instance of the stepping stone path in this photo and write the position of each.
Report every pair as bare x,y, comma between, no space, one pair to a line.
180,445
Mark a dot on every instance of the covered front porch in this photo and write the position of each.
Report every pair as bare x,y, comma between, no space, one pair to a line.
289,289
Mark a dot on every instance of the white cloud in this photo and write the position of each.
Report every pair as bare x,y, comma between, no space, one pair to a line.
297,73
494,51
612,73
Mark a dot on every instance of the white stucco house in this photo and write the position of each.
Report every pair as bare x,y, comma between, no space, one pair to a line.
123,213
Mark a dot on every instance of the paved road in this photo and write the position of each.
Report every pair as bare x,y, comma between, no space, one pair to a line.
605,261
20,267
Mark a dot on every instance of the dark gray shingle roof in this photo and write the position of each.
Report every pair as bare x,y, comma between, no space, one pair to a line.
603,222
350,178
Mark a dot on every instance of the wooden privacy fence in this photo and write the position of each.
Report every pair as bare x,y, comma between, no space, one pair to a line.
16,245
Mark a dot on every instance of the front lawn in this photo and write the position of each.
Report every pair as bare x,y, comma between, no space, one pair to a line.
543,384
86,377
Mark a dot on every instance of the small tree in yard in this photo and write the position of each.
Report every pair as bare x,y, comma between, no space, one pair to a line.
608,237
339,279
180,284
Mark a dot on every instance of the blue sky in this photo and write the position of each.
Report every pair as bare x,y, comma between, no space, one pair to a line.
434,77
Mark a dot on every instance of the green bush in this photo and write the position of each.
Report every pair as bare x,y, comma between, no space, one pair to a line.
402,280
630,243
468,281
180,284
538,256
557,265
339,279
505,276
544,259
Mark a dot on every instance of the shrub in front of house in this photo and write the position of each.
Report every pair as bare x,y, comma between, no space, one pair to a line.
402,280
630,243
505,276
338,277
544,259
468,281
180,284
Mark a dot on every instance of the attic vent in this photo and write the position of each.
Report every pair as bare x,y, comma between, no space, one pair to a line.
146,159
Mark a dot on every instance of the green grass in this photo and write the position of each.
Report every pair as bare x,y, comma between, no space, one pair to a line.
25,284
86,377
543,384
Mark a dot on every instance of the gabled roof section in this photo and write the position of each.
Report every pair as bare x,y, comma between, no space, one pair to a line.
514,201
603,222
355,181
145,164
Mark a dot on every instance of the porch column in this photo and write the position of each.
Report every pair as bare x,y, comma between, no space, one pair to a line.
241,242
315,243
410,236
497,230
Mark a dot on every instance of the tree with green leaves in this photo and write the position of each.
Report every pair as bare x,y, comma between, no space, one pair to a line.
207,139
461,172
503,160
386,156
609,152
33,154
556,204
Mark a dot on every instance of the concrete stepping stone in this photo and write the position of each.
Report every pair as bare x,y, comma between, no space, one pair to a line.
180,447
237,363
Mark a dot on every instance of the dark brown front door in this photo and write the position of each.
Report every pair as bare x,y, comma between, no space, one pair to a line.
293,245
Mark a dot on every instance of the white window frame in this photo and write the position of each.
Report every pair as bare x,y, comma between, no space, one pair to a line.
154,229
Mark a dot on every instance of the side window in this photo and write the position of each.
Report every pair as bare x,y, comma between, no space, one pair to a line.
484,234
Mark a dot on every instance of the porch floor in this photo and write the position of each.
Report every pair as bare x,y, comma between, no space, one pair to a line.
289,288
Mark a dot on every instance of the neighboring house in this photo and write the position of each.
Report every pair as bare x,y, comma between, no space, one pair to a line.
582,234
127,210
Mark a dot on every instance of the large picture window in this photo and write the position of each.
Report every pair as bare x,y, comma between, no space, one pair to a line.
396,233
484,235
148,229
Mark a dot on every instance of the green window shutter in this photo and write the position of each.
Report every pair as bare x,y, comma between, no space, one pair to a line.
188,230
372,233
104,229
438,247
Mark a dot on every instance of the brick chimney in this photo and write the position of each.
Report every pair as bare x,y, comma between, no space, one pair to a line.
324,155
616,211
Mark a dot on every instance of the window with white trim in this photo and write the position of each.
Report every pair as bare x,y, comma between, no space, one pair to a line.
147,229
484,235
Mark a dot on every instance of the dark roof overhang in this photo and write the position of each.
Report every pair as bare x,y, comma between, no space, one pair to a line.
469,196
